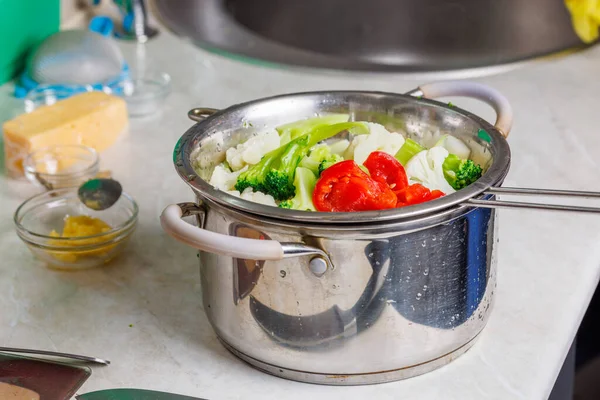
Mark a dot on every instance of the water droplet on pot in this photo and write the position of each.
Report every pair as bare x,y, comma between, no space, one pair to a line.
423,244
426,271
425,287
419,295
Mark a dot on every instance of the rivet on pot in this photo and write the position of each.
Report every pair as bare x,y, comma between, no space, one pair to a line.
318,266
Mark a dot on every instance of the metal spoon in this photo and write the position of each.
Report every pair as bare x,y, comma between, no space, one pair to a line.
100,194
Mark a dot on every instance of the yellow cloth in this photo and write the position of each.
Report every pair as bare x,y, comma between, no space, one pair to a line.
585,15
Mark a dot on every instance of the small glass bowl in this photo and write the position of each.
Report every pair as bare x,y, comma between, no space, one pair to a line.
46,95
41,214
56,167
144,94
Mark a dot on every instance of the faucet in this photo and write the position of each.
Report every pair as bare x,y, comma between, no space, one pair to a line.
135,20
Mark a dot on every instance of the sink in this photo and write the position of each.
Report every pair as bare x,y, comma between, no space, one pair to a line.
376,35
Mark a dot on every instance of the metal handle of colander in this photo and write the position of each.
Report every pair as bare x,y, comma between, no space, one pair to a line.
199,114
490,96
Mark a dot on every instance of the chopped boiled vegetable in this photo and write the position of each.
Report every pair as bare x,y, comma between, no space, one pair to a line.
415,194
339,147
223,178
385,168
319,158
304,182
408,150
251,151
459,172
454,146
274,174
345,187
378,139
426,168
256,197
291,131
255,176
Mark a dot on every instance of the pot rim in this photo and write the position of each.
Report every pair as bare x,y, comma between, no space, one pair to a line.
493,176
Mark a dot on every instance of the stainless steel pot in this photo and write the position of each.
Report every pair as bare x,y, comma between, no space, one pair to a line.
346,298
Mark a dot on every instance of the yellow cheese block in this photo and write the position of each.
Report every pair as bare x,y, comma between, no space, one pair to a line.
93,119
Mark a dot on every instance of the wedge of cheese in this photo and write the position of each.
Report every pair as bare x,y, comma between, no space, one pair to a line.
93,119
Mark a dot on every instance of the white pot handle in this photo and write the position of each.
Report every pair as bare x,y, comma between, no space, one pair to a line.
475,90
233,246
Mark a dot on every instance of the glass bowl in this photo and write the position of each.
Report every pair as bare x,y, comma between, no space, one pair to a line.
46,95
144,93
56,167
38,216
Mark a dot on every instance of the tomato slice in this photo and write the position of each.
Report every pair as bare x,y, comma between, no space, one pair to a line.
385,168
344,187
415,194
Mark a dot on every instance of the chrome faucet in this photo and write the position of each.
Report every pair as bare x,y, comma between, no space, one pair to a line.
135,21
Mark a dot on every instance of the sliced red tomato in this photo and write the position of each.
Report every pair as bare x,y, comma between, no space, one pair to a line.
385,168
415,194
345,187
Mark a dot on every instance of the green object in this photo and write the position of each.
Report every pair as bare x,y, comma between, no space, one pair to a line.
408,150
304,182
24,24
132,394
460,173
319,159
274,174
295,129
483,135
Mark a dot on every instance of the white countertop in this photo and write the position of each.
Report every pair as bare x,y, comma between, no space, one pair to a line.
548,267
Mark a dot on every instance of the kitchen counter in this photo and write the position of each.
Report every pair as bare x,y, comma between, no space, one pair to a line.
144,311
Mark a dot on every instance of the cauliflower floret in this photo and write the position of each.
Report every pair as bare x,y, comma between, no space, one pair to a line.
223,179
257,197
339,147
379,139
426,168
252,150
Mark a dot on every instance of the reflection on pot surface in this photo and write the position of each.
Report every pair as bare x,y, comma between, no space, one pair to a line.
392,301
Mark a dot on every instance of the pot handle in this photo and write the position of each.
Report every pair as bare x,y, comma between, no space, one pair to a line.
199,114
475,90
232,246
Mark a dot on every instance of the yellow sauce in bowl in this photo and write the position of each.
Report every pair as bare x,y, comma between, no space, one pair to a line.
81,226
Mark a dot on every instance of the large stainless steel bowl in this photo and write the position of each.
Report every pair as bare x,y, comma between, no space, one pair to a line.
376,35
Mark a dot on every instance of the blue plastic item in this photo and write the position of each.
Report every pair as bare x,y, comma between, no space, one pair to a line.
102,25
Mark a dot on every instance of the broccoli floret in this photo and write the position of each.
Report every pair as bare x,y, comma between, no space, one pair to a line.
286,204
255,176
408,150
319,159
274,174
279,181
329,162
304,183
460,173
